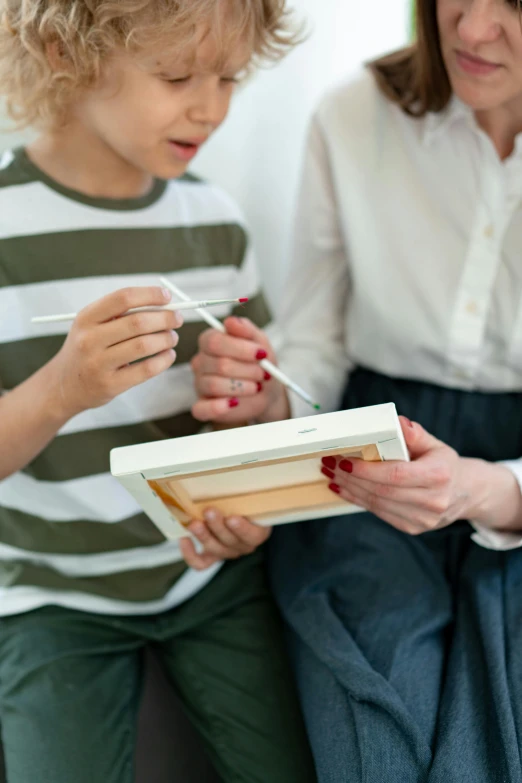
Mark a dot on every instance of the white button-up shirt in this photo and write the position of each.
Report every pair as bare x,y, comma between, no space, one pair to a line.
408,253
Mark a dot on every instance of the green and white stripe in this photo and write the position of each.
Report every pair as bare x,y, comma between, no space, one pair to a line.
69,533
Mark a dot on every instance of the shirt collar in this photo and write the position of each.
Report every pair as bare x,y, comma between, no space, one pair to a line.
436,123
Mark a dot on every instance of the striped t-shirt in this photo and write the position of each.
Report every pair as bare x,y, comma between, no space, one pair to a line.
69,533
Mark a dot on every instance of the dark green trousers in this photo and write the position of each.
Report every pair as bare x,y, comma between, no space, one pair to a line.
70,686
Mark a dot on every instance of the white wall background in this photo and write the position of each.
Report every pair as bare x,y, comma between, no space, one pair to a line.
256,156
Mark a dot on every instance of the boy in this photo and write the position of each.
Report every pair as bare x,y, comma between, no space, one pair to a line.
125,94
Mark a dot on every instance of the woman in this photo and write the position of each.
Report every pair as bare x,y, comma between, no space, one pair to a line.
406,622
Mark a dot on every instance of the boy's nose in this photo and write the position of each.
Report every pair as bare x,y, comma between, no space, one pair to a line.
210,108
479,22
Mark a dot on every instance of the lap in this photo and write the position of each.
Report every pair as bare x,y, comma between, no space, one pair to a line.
415,633
69,689
70,684
227,660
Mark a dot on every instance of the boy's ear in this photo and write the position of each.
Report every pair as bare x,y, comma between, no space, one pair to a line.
57,56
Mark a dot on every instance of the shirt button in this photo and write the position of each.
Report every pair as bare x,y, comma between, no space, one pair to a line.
463,375
489,231
472,307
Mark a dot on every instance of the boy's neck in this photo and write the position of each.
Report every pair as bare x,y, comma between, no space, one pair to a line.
79,160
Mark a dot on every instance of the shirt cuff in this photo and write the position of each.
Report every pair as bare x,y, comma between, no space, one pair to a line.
495,539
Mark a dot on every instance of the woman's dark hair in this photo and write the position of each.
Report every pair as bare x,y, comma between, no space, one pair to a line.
415,78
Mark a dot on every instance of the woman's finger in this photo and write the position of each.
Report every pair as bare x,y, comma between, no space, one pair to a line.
414,519
244,328
427,471
215,343
215,386
229,410
205,364
432,500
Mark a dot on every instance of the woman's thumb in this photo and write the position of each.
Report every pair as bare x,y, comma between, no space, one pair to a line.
417,439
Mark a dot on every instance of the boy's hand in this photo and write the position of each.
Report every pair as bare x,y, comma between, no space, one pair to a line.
222,539
95,364
232,386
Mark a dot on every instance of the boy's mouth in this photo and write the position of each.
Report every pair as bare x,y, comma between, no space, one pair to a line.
186,149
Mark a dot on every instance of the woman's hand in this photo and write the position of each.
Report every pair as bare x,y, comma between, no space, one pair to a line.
232,386
432,491
222,539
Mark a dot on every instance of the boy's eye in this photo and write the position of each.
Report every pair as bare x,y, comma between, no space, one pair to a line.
230,80
179,80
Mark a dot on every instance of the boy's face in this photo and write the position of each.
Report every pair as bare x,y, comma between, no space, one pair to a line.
156,117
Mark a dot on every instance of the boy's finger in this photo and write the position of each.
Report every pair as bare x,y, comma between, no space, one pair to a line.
134,374
216,524
117,303
141,347
136,324
217,344
211,544
191,557
248,533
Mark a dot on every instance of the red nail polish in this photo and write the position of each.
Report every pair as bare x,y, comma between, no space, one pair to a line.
259,387
268,377
328,473
329,462
335,488
233,403
261,354
346,465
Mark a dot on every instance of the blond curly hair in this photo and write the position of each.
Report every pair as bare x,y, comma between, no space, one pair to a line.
86,32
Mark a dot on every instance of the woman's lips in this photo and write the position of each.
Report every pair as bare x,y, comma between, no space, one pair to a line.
475,65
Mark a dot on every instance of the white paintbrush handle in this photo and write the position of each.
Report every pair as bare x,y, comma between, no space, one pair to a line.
265,363
185,305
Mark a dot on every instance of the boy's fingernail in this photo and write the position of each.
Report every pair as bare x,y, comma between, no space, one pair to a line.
198,529
259,387
210,515
346,465
329,462
268,377
335,488
166,294
233,403
233,523
328,473
408,422
261,354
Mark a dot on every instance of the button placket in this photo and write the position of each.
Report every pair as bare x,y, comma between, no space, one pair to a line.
515,203
469,319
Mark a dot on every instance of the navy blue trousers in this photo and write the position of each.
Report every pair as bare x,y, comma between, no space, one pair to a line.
408,650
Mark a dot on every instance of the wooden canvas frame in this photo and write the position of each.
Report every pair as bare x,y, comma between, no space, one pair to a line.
268,472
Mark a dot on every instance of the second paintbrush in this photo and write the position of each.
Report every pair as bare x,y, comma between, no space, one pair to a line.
49,319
